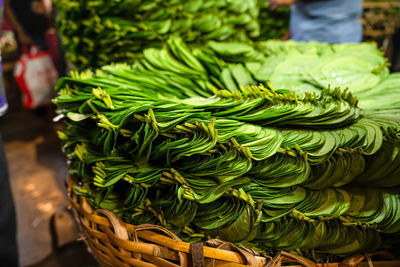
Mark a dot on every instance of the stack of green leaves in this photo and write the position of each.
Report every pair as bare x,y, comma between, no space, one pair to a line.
185,139
310,67
95,33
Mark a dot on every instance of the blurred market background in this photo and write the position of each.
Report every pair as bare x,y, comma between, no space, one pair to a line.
47,232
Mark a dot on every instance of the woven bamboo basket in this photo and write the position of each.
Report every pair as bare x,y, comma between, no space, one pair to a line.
116,243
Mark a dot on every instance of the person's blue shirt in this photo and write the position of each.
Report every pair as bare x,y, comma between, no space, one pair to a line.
332,21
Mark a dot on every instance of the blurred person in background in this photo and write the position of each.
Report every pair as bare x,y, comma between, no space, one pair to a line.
29,20
331,21
33,23
34,26
8,236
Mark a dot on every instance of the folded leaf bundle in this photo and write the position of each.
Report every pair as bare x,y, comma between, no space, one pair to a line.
173,141
95,33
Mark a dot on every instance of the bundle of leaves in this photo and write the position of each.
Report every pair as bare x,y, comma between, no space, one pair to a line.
179,140
312,66
95,33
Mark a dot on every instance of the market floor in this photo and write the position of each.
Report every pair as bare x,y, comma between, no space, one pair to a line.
38,172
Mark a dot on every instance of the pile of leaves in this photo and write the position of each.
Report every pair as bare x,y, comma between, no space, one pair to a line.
95,33
312,66
187,140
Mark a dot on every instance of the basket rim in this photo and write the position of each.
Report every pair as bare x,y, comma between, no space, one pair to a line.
85,215
82,208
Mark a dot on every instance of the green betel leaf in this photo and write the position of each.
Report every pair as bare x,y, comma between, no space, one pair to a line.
345,72
201,142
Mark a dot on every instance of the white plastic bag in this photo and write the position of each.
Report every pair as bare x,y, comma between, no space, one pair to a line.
36,76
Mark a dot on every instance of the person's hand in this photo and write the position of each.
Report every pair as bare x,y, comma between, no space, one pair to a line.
24,38
273,4
286,36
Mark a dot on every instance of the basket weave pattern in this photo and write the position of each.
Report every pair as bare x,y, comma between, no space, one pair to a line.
116,243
